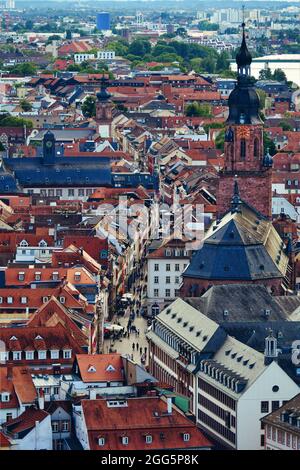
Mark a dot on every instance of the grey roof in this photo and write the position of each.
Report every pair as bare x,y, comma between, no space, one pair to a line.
66,134
244,302
242,246
66,171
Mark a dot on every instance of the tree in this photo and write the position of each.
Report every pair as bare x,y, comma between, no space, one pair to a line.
207,26
285,126
222,62
139,48
262,98
265,74
279,75
88,107
198,110
6,120
220,139
26,69
269,145
25,105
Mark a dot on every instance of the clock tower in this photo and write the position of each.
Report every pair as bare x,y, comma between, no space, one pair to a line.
49,152
104,107
244,158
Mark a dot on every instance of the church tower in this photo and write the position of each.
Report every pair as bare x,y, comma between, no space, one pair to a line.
244,159
104,107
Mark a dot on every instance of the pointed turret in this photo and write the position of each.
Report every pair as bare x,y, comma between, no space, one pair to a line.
236,200
243,57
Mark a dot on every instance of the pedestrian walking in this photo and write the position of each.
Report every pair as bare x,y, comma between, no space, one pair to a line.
133,346
145,350
141,351
137,346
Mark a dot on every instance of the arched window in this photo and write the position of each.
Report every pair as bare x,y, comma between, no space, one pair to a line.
256,148
243,149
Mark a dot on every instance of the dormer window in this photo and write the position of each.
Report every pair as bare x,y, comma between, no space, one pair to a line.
101,441
42,354
24,300
24,243
110,368
21,276
67,353
186,437
17,355
5,396
55,276
10,300
54,354
45,300
37,276
77,276
148,439
92,369
29,355
42,243
125,440
62,300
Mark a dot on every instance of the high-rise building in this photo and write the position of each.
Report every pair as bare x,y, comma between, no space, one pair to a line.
103,21
10,4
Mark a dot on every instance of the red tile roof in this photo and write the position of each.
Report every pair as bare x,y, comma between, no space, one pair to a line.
140,417
25,422
57,337
100,368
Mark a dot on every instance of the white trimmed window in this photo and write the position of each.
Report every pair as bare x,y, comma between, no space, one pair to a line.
29,355
3,356
17,355
125,440
24,300
186,437
101,441
67,353
54,354
148,439
42,354
10,300
5,396
62,300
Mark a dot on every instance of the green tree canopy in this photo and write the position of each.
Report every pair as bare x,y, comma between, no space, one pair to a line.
88,107
198,110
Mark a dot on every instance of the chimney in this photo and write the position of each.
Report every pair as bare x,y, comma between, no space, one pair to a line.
169,405
41,399
27,313
9,370
93,394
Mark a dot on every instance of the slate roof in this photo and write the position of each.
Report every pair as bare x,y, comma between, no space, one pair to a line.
65,172
244,302
242,246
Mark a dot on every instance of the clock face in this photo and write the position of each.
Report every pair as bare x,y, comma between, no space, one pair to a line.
243,132
49,144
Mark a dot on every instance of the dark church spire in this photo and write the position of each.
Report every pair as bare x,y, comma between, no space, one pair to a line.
103,94
243,101
243,57
236,200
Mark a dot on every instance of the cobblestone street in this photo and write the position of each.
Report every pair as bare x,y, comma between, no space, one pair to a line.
124,345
